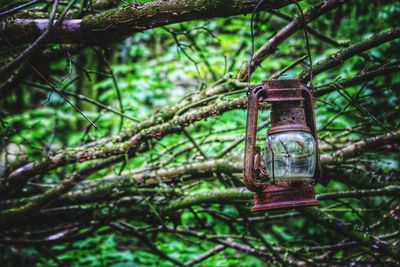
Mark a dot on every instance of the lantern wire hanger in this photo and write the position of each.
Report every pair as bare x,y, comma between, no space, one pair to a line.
304,24
250,61
252,46
263,171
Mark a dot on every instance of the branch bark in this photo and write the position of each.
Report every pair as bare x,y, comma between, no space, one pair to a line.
135,207
175,125
360,147
360,235
114,24
363,77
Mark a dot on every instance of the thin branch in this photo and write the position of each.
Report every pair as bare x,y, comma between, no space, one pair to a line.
116,86
191,139
27,53
282,35
16,9
87,99
127,228
355,49
28,171
362,77
360,147
311,30
47,197
205,255
361,236
288,67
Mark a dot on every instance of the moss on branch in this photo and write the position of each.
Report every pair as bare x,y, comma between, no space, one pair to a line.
114,24
358,234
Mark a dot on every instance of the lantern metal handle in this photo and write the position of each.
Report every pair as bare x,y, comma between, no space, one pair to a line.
251,168
307,94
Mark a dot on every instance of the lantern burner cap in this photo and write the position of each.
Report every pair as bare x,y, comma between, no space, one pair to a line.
284,195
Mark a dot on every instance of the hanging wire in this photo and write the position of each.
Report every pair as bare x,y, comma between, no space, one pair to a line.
263,171
304,24
252,46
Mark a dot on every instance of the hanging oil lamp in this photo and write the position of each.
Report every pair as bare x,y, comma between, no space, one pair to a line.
291,165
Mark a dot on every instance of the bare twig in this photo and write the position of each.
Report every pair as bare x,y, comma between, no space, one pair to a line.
286,32
355,49
205,255
35,45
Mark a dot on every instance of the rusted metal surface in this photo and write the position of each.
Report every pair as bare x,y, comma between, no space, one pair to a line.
285,195
288,114
281,90
250,171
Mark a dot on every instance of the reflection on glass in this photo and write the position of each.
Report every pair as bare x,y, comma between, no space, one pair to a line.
291,156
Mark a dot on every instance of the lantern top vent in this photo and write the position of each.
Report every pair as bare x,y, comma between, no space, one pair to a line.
282,90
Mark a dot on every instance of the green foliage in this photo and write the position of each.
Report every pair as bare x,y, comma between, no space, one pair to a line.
153,72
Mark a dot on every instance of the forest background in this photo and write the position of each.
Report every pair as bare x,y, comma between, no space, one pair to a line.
122,132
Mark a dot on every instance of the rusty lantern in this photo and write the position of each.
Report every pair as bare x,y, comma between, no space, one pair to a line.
291,159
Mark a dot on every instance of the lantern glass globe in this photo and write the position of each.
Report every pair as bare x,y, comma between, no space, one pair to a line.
290,156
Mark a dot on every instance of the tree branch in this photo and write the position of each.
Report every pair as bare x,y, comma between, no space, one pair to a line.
363,77
27,53
205,255
360,235
26,172
360,147
114,24
355,49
